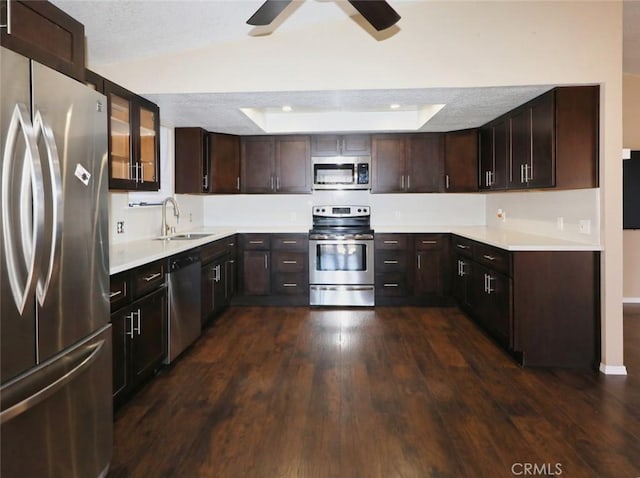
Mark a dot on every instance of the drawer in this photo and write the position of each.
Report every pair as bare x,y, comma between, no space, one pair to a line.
426,242
256,241
289,242
210,251
391,241
119,290
391,261
462,245
289,261
391,285
290,283
149,277
493,257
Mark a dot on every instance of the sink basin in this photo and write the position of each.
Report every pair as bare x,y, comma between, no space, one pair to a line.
185,236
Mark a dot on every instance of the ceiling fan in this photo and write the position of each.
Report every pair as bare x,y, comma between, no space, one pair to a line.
377,12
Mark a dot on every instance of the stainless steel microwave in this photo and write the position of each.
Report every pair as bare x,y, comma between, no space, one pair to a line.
341,172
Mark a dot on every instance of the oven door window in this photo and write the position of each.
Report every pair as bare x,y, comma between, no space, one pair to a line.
341,257
336,174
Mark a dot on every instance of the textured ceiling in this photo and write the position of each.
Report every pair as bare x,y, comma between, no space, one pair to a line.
120,30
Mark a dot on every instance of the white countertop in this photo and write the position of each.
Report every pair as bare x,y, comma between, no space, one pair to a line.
132,254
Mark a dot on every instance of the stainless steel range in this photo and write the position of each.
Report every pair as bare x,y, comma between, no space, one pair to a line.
341,257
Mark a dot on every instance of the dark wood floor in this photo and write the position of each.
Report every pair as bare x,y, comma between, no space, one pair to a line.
390,392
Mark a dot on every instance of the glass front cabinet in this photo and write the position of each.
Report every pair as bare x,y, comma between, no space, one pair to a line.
134,131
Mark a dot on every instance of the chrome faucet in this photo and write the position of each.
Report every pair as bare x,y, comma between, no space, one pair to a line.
166,230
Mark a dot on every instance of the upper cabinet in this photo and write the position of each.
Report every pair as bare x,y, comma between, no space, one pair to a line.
206,162
407,163
42,31
461,161
134,132
275,164
551,141
341,145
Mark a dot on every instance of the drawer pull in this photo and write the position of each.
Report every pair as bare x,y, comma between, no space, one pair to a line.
390,285
390,242
390,262
460,246
114,294
256,242
289,262
289,284
152,276
489,258
289,242
429,242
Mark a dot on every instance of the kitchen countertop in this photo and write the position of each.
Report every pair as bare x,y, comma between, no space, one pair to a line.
127,255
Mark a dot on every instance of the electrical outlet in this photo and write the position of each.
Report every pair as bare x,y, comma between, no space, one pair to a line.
585,226
120,227
560,223
502,215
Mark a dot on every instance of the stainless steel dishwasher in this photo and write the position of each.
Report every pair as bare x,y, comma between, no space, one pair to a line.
183,326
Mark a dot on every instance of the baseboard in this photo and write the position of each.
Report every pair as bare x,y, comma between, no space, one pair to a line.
613,369
631,300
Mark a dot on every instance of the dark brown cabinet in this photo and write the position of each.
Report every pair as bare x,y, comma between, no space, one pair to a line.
218,277
461,161
275,269
43,32
206,162
551,141
345,145
276,164
139,307
412,269
134,133
542,306
407,163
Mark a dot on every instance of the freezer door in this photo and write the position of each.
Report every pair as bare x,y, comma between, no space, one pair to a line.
72,291
18,254
57,421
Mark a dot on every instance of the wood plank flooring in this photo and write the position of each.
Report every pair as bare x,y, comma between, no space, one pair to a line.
385,392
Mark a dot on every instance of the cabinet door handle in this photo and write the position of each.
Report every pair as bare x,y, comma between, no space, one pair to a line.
218,275
272,182
266,263
152,276
289,242
8,25
460,246
390,262
256,242
489,258
492,178
139,329
446,181
205,182
289,284
408,182
429,242
419,261
114,294
237,183
130,331
402,182
277,183
289,262
487,281
390,285
390,242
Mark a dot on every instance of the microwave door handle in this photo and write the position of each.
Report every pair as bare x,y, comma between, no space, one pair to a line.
31,216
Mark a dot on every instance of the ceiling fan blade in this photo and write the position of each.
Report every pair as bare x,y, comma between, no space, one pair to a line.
377,12
268,12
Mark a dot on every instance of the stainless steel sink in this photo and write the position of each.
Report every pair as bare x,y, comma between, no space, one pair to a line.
185,236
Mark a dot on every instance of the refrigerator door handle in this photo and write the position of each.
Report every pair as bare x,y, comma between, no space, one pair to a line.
55,181
31,222
57,374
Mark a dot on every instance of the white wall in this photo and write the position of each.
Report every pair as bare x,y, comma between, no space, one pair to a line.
537,212
441,44
386,209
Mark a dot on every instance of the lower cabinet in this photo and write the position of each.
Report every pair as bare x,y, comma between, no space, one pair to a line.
412,269
218,276
139,331
541,306
274,270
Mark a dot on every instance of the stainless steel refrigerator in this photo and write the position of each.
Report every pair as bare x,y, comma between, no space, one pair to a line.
56,416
